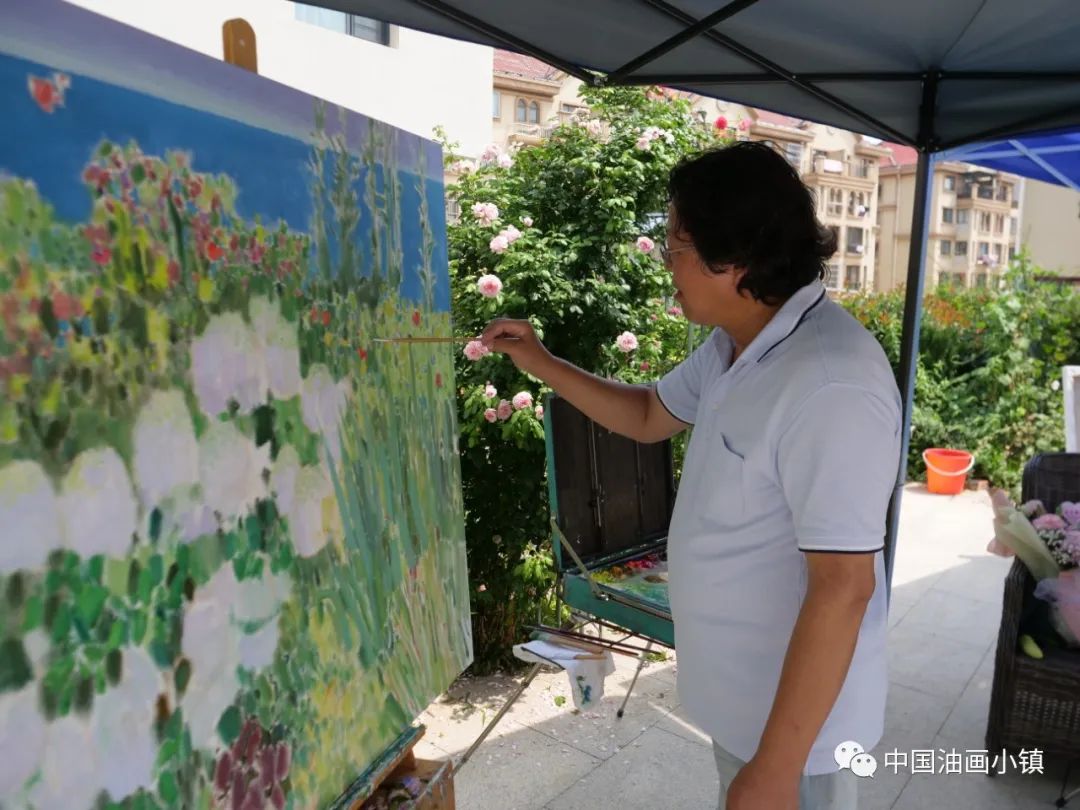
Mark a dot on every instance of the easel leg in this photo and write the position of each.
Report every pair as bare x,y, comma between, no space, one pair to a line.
1065,798
640,666
495,720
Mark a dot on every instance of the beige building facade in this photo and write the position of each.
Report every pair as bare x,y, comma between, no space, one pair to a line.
973,227
1050,227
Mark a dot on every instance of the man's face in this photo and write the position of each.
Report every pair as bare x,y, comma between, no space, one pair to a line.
706,297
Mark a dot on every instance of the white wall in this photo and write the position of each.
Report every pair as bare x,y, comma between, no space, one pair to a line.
420,81
1050,226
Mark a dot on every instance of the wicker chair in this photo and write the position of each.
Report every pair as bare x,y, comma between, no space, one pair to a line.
1036,703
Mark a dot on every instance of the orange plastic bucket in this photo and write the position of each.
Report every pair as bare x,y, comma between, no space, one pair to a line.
946,470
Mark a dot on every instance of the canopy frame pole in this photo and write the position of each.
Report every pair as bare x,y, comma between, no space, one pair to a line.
1049,169
909,341
767,64
687,34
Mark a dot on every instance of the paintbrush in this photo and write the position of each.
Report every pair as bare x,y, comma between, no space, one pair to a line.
404,339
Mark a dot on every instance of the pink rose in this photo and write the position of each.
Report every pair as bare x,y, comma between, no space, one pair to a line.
539,411
522,400
1033,508
644,366
490,392
1048,523
474,350
499,244
490,415
527,221
674,311
626,342
505,161
594,128
489,286
744,125
485,213
1071,512
645,244
511,233
643,144
504,410
721,123
491,152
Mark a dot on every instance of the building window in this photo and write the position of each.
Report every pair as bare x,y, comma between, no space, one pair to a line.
946,247
857,204
980,280
947,215
851,277
534,113
997,254
984,222
1012,252
1012,226
832,277
855,240
496,104
352,24
793,153
961,248
959,280
862,168
836,202
963,216
950,182
521,111
984,248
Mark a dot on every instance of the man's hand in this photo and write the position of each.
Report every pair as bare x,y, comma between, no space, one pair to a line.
759,787
519,342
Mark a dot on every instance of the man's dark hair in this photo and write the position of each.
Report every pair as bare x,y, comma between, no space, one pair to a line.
745,205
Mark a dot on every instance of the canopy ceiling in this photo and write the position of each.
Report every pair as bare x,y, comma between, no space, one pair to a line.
935,74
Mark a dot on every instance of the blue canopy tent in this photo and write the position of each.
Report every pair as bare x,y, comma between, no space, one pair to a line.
929,74
1053,157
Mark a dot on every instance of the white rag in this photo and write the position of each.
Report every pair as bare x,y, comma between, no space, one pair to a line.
586,674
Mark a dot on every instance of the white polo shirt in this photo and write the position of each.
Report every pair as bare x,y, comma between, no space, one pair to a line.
795,450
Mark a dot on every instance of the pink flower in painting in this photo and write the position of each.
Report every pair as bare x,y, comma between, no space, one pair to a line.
48,93
645,244
474,350
489,286
499,244
1048,523
522,400
504,410
539,411
626,342
101,255
527,221
1071,512
490,392
511,233
721,123
485,213
491,415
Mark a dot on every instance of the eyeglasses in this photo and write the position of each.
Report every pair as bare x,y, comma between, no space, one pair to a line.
666,253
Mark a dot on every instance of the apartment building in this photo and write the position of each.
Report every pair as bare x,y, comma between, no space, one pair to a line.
529,99
974,222
1050,227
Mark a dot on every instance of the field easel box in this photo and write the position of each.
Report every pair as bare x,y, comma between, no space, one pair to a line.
611,501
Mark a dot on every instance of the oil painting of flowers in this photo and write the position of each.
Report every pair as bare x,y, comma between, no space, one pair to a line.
232,560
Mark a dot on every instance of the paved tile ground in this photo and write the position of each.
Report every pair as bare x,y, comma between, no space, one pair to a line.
946,608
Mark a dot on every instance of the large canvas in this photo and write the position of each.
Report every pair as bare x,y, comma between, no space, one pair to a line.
232,563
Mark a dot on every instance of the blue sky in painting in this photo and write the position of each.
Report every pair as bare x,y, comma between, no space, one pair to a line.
269,170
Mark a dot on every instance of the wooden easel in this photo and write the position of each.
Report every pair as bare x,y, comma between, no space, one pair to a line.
399,760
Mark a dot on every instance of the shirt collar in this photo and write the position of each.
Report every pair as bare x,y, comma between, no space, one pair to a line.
784,323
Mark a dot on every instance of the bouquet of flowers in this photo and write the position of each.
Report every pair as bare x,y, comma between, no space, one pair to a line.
1048,543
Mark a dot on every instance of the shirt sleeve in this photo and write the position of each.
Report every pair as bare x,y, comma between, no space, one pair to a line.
680,389
838,461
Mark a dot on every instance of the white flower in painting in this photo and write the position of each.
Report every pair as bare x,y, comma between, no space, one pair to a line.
209,641
98,505
231,470
257,650
308,511
69,767
37,645
283,477
259,599
123,726
323,404
281,348
227,363
29,515
22,740
166,453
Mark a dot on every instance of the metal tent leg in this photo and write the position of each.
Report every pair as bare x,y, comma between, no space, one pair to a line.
640,666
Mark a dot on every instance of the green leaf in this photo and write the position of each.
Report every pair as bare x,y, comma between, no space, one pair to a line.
138,627
229,725
61,625
114,666
90,602
34,614
167,788
15,668
167,751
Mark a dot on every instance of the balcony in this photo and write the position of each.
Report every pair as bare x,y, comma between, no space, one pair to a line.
986,193
837,167
530,134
